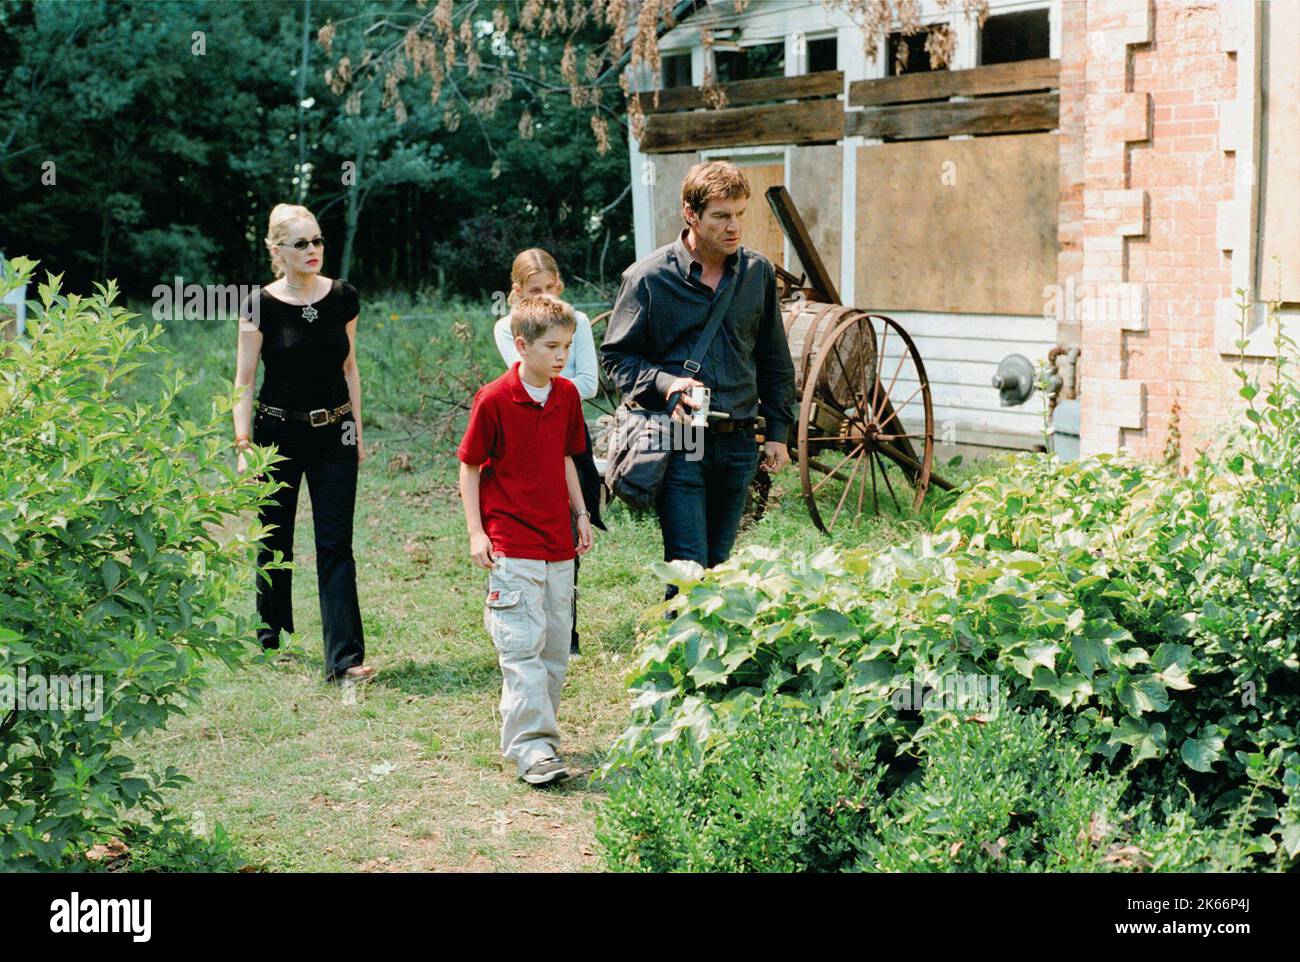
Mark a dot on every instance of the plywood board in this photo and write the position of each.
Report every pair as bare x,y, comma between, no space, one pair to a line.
761,232
801,123
666,193
1280,184
957,225
816,174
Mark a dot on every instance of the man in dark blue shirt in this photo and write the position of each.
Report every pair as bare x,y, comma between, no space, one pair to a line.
659,314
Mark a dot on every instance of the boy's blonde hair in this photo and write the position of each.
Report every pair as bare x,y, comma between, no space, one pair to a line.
527,263
714,180
277,231
534,316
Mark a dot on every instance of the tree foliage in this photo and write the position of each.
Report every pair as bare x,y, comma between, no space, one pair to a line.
128,148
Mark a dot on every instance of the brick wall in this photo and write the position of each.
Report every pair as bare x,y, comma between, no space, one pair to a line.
1142,84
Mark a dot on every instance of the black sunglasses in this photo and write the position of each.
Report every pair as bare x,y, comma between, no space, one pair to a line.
303,244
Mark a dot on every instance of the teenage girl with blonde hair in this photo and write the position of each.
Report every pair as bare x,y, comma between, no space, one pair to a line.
535,272
303,327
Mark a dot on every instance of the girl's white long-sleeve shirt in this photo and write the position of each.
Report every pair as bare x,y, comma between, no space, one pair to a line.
581,366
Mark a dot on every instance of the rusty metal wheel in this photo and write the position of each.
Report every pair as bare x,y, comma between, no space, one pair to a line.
866,412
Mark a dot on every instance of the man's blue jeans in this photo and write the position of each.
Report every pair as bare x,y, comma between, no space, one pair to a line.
701,501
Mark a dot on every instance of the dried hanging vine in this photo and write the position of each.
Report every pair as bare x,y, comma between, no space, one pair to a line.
443,39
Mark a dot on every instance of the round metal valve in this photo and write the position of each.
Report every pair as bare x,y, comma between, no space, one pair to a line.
1014,380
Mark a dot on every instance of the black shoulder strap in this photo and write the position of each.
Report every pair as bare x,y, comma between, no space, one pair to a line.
716,313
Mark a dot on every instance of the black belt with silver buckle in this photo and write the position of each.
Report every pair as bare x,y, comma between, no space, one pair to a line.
318,418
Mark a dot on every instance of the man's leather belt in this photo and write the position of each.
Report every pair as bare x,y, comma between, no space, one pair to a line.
727,425
318,418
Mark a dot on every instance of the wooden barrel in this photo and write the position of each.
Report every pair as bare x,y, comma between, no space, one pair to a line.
808,326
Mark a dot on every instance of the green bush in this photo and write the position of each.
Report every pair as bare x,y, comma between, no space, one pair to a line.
790,793
794,791
1013,794
124,556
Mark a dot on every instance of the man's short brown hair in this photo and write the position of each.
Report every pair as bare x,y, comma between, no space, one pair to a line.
714,180
533,316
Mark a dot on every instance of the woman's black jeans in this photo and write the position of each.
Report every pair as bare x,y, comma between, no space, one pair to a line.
327,457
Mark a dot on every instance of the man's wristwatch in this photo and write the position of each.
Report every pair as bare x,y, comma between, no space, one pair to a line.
583,513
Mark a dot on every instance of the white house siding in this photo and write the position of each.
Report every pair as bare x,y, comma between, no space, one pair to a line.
961,354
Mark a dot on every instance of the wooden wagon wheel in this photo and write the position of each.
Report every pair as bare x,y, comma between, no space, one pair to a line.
866,411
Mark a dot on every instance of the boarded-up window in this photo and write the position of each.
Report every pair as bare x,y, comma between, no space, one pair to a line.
815,177
1280,149
761,230
957,225
668,171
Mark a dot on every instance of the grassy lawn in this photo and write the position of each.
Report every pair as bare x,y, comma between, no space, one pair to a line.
405,774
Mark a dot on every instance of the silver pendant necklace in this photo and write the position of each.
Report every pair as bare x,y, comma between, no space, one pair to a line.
309,313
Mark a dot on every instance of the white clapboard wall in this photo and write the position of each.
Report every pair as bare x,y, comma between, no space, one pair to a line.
961,354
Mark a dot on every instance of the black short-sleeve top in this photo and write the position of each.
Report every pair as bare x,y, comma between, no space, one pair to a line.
304,358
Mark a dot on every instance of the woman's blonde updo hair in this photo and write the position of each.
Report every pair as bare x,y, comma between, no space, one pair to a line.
277,231
527,263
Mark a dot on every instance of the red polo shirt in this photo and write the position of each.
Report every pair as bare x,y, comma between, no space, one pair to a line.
521,445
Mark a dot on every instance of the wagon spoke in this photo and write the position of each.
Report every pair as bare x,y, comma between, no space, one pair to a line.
862,490
880,360
875,413
848,486
895,412
889,484
831,473
863,373
875,498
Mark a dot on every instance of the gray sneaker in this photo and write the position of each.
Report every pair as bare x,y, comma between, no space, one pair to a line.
547,770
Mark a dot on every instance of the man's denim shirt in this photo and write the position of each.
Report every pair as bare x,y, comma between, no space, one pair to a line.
659,315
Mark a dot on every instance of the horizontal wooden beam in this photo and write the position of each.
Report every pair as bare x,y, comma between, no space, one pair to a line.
1019,113
1001,78
821,84
803,123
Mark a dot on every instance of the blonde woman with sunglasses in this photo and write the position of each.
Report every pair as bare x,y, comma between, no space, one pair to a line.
302,328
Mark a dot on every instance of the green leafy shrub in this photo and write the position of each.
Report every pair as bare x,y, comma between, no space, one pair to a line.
796,790
123,554
1014,794
792,792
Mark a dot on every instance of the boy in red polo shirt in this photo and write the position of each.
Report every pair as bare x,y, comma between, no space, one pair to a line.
521,494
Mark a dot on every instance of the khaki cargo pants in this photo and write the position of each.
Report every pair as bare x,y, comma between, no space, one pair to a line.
529,614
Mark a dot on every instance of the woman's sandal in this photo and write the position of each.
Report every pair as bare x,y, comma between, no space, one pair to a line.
355,674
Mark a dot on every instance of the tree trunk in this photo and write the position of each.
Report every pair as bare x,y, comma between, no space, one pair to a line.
302,95
356,198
